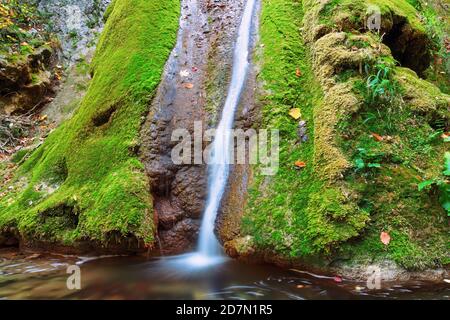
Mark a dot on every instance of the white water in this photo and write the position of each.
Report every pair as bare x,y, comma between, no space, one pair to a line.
209,252
208,247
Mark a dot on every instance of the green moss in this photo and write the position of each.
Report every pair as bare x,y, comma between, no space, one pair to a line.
335,209
294,213
89,160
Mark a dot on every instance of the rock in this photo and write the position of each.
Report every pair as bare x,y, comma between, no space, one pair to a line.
181,238
302,131
240,248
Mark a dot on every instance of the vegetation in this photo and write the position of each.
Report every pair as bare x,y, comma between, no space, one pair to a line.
86,181
375,130
22,29
363,128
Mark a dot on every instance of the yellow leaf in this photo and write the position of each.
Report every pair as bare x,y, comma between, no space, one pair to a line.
295,113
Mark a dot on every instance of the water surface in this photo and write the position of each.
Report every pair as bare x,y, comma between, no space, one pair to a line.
44,277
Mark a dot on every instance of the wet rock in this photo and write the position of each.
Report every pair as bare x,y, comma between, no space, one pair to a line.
181,238
240,248
189,188
183,98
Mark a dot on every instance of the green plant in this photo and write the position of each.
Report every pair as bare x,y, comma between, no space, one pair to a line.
366,160
380,85
442,184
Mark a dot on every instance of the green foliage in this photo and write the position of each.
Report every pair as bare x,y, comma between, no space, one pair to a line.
437,29
17,19
380,86
442,184
366,160
88,163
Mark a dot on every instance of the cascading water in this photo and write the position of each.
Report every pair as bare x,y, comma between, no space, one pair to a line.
209,251
221,148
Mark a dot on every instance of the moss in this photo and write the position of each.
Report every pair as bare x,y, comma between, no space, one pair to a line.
333,209
295,213
421,95
91,164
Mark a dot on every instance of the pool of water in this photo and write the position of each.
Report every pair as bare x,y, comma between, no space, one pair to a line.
45,277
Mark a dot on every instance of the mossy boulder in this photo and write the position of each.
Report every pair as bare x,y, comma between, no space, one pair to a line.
368,152
98,191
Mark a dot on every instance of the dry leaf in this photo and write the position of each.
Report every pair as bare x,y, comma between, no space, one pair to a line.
298,73
184,73
377,137
300,164
385,238
188,85
295,113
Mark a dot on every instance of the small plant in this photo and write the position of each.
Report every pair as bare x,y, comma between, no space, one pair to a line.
380,87
366,160
442,184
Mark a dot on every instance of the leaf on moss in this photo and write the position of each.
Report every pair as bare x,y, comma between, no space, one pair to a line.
298,73
295,113
300,164
385,238
377,137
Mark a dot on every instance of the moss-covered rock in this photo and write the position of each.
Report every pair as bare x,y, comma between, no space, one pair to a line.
99,191
374,131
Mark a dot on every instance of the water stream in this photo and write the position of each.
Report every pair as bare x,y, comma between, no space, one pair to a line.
221,149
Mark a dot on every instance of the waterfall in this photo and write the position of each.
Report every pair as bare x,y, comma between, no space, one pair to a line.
218,170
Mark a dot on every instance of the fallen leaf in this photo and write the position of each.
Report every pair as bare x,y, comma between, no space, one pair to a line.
377,137
337,279
300,286
295,113
300,164
184,73
298,73
43,118
188,85
385,238
447,280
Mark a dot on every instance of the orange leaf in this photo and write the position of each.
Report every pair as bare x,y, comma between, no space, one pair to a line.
377,137
300,164
385,238
298,73
188,85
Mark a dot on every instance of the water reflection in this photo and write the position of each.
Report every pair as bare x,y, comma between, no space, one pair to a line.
44,277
